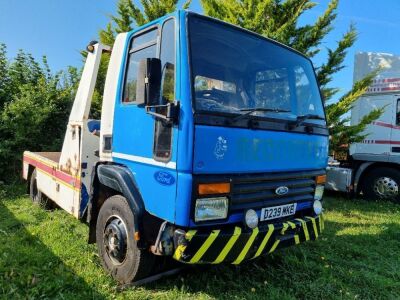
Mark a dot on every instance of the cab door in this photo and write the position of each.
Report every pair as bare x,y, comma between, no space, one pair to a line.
140,141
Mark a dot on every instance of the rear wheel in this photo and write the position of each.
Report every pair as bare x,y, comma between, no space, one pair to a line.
382,183
117,247
36,195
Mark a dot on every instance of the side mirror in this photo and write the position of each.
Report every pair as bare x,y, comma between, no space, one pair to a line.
148,81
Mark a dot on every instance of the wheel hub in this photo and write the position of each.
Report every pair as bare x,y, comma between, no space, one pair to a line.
114,240
386,187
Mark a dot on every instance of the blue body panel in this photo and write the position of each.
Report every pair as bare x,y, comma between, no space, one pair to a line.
221,150
133,137
186,127
200,149
237,150
186,131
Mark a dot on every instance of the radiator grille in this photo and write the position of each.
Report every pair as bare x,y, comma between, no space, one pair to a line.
258,190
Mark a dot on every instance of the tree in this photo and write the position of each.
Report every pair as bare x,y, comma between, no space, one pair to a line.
278,19
130,15
34,108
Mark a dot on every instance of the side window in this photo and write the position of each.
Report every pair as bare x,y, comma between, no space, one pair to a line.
398,112
142,46
305,94
167,57
162,130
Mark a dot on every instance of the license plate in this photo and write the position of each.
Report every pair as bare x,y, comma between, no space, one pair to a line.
269,213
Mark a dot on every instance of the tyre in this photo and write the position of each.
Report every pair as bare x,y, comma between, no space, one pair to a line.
116,244
382,183
36,195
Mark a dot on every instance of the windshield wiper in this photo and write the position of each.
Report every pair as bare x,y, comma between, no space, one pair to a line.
249,111
302,118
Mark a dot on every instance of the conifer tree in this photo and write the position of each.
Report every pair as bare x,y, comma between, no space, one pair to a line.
130,15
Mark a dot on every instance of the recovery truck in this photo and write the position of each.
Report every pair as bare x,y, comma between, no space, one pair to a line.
211,148
372,166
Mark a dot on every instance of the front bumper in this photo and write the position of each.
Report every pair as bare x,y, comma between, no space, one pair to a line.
234,245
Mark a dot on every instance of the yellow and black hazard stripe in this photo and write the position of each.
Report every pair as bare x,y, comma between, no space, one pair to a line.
237,244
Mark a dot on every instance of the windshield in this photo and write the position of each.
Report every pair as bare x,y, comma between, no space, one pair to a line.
234,71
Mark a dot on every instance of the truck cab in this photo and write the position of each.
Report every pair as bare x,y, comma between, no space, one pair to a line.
382,135
372,166
211,148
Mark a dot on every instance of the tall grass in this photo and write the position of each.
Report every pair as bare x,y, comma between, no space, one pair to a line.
44,254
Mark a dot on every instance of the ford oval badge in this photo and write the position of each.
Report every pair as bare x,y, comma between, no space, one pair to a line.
164,178
282,190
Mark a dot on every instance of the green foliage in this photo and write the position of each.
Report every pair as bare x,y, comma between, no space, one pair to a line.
343,134
335,62
107,35
130,15
34,108
275,19
278,19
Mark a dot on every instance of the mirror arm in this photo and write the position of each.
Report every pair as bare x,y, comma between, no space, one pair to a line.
157,115
172,114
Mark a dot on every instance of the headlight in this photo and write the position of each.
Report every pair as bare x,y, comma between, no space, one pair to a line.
251,218
317,205
211,209
319,192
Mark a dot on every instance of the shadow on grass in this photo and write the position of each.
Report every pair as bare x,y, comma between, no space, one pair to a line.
28,269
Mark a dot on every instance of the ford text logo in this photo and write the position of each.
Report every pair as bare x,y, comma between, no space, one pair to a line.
164,178
282,190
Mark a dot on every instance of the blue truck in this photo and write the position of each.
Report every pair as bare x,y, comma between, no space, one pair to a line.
211,148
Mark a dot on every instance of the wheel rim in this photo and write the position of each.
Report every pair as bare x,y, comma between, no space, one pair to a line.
114,240
386,187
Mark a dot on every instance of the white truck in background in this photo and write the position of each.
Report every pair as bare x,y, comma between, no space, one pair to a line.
372,166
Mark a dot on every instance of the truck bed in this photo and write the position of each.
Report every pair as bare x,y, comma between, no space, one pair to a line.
61,187
47,163
51,157
41,159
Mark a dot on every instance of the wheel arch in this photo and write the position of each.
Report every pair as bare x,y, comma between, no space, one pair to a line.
366,167
109,180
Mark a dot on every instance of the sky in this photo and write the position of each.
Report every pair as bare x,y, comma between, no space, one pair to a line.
60,29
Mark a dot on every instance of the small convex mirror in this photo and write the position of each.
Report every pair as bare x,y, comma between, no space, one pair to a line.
148,81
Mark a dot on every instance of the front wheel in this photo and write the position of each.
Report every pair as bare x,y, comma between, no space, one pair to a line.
117,247
382,183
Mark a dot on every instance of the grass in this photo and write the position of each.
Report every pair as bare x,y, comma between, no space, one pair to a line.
45,255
